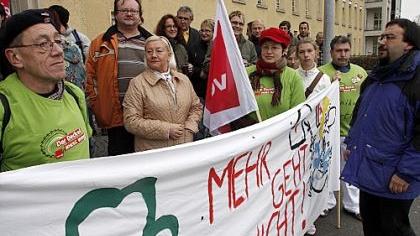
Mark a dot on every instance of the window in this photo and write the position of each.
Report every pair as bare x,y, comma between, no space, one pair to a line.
361,19
377,20
354,46
356,17
343,15
280,6
375,46
337,15
307,9
21,5
350,17
261,4
295,7
319,15
239,1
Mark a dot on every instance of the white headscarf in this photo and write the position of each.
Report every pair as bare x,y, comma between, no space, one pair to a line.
172,62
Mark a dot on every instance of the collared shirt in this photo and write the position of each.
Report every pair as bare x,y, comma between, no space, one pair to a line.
168,78
186,35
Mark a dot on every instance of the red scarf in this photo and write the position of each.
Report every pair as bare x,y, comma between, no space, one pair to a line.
272,70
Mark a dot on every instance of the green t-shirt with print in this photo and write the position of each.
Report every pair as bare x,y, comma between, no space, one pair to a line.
292,93
42,130
349,92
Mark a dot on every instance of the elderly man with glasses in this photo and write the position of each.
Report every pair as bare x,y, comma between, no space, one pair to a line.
115,57
43,118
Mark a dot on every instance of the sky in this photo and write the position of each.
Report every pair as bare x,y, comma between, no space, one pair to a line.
410,8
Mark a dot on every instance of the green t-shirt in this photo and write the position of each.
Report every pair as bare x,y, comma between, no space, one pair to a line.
349,92
43,130
292,93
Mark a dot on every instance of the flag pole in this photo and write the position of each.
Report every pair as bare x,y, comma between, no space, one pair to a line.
258,116
339,208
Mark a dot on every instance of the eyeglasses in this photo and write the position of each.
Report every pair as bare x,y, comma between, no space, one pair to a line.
131,11
44,46
387,37
183,18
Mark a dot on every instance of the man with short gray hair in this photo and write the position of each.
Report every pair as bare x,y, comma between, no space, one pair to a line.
257,26
191,36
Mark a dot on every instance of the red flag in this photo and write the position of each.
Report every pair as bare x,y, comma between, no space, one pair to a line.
229,93
222,84
6,4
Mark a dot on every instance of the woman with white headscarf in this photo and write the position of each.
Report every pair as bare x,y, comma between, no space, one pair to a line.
161,108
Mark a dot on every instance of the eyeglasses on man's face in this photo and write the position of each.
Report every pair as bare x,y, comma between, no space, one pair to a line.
183,18
131,11
45,46
387,37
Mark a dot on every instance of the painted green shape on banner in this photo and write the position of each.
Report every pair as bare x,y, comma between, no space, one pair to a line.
112,197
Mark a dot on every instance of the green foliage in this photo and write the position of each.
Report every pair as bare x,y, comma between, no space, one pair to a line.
366,62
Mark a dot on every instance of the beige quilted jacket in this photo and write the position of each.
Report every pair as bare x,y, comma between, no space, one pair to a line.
150,110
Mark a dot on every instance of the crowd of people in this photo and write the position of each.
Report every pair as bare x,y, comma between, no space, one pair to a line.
146,90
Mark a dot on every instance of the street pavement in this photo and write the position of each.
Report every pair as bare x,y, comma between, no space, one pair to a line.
350,226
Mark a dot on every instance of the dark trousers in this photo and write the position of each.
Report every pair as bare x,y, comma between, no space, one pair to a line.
120,141
385,216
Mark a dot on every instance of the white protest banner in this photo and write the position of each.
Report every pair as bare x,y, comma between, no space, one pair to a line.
267,179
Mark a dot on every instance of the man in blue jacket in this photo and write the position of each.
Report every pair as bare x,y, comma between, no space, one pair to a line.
383,145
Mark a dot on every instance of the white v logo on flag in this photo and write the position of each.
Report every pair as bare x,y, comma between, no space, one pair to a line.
221,86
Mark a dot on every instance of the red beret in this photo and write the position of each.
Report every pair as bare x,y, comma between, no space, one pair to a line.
275,34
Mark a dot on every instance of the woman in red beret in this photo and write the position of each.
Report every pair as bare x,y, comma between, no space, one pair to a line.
276,86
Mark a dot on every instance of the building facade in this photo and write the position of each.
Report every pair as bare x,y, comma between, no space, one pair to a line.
378,13
94,16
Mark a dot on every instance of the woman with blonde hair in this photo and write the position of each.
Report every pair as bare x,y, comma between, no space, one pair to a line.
161,108
313,79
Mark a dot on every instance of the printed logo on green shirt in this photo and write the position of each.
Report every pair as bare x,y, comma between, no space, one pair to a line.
57,142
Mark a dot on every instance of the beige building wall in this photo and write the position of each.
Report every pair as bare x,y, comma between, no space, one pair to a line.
94,16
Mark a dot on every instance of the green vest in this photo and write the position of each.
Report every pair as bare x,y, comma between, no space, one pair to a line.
349,92
292,93
43,130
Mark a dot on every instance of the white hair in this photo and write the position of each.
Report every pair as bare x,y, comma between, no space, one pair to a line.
172,61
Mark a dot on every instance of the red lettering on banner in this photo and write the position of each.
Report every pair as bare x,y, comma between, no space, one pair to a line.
213,177
280,189
236,176
262,157
288,195
248,169
245,173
